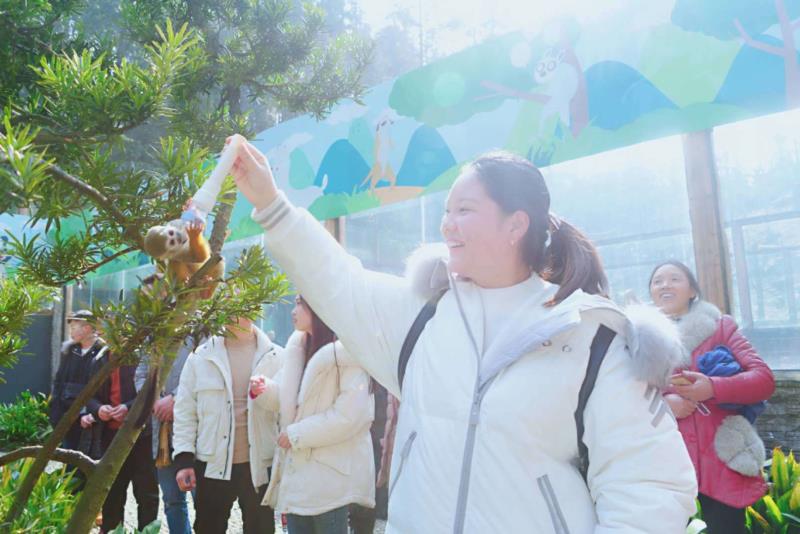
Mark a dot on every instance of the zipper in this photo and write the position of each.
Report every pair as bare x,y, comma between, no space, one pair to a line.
472,428
230,418
556,516
403,456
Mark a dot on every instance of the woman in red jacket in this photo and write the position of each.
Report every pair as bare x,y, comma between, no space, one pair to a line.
728,474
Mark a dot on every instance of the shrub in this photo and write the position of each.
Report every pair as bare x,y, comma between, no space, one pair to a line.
779,510
49,507
24,422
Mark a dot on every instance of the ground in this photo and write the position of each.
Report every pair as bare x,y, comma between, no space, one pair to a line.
234,524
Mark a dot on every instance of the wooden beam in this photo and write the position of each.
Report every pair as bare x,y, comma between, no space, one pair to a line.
710,245
742,275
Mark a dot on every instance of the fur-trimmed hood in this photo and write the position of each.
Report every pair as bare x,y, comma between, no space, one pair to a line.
659,351
698,325
656,349
426,270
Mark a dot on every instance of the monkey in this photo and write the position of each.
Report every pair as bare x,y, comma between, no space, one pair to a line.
184,248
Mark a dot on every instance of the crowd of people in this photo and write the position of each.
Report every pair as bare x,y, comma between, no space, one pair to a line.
520,398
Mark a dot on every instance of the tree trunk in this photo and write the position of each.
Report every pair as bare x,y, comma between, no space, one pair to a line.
61,429
98,485
233,94
221,220
579,105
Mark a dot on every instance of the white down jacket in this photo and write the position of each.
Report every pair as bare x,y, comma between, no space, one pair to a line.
326,412
487,442
204,418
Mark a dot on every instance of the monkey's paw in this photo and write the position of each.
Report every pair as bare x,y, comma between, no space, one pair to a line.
195,228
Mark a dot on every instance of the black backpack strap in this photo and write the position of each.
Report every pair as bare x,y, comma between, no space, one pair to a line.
600,343
424,315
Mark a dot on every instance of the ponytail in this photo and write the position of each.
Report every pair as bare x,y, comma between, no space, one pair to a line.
572,262
570,259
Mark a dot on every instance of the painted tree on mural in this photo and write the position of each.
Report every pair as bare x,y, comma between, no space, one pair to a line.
748,20
480,79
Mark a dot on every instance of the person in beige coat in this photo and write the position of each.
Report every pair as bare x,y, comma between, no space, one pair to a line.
325,405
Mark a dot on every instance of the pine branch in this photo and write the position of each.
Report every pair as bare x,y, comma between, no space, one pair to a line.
99,198
66,456
106,260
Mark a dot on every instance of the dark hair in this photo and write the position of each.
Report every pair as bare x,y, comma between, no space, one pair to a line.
570,259
320,334
686,270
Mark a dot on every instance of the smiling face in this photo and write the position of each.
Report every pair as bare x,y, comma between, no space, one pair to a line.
484,242
671,290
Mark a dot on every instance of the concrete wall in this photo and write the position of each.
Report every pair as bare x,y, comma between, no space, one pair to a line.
779,425
33,371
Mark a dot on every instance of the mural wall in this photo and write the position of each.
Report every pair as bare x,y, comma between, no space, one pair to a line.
568,92
636,73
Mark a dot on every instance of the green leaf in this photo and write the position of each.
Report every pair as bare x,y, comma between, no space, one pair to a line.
778,472
773,512
794,500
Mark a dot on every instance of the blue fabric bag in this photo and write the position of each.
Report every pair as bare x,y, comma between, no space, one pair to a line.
721,362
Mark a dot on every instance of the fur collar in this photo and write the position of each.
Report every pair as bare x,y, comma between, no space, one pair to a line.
658,350
654,339
426,270
698,325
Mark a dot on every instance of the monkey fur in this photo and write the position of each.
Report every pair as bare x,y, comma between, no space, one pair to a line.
184,249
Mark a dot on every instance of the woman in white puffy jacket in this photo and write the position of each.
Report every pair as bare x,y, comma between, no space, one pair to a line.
486,438
325,411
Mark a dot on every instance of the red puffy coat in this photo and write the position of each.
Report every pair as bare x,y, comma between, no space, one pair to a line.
754,384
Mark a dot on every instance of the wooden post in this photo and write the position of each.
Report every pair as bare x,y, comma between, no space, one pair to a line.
336,228
710,250
60,333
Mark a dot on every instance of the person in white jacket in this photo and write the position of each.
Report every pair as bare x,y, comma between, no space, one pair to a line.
486,438
223,444
326,410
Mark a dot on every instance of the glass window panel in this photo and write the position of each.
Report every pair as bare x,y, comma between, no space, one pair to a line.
384,237
758,163
632,204
432,213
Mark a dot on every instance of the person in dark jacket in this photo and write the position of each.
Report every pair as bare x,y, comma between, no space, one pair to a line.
74,371
109,407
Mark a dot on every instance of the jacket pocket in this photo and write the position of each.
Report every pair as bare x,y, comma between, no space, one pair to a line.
336,457
210,393
403,457
556,515
211,403
207,441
